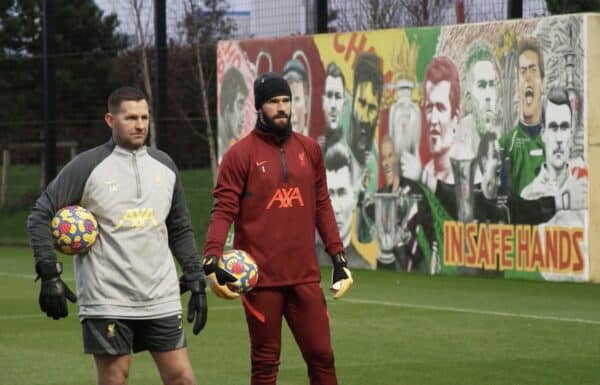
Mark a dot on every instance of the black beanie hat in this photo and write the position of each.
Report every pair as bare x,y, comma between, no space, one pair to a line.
269,85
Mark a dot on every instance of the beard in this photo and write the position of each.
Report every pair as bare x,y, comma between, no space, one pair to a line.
361,139
275,126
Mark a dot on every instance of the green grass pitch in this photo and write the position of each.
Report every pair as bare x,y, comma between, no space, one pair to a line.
391,328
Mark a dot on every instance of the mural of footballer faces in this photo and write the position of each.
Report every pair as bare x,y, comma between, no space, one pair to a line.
338,170
557,131
333,97
389,163
232,101
482,87
294,73
490,164
368,86
530,77
442,97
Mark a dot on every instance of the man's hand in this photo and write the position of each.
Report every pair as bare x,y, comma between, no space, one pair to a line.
341,278
193,280
410,166
53,292
220,280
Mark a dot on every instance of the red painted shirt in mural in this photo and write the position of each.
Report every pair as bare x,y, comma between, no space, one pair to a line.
276,195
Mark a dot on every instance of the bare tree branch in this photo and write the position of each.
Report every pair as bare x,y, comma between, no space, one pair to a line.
203,30
184,116
380,14
141,34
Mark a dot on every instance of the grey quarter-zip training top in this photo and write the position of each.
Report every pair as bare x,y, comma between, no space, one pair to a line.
138,201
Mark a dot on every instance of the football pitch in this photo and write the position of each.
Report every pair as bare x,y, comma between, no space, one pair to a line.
391,328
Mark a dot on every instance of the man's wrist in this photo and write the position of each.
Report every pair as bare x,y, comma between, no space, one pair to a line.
339,259
48,269
209,264
193,269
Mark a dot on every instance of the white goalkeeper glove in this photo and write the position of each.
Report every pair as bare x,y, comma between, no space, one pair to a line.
341,278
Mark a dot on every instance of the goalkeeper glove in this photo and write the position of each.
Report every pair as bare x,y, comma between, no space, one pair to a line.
53,292
220,280
192,280
341,278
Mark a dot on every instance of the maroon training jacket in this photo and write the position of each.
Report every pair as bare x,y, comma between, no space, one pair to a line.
276,195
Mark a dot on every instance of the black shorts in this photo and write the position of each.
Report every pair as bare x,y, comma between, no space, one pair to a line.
122,336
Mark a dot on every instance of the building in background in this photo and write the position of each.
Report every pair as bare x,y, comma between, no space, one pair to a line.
268,18
275,18
253,18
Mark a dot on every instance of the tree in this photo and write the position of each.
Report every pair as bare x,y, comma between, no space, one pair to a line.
204,26
381,14
86,42
142,47
475,11
20,39
572,6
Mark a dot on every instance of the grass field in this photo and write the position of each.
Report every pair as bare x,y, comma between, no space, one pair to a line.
392,328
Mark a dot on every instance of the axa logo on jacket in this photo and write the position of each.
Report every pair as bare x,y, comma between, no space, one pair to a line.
286,197
138,218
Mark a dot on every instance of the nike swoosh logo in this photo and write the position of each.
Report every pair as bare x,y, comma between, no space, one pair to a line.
261,163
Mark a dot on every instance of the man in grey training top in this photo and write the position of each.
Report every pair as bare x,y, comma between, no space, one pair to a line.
127,285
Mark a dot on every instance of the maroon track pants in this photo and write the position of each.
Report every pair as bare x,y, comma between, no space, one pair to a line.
304,309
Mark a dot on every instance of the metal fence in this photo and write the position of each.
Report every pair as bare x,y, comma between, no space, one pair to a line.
86,74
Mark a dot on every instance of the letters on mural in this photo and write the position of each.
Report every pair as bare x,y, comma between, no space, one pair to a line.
456,150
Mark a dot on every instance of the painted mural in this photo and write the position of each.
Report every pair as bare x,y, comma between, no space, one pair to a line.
448,150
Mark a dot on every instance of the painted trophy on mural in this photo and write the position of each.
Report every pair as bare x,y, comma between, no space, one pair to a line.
464,175
463,169
392,211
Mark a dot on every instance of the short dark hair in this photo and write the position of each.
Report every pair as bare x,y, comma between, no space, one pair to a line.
368,69
558,96
233,84
124,94
337,157
527,43
335,71
486,142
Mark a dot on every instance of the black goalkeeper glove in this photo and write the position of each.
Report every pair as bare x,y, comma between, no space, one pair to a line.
341,278
220,280
192,280
53,292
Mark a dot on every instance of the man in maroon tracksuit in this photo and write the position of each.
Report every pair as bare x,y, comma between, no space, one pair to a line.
271,185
